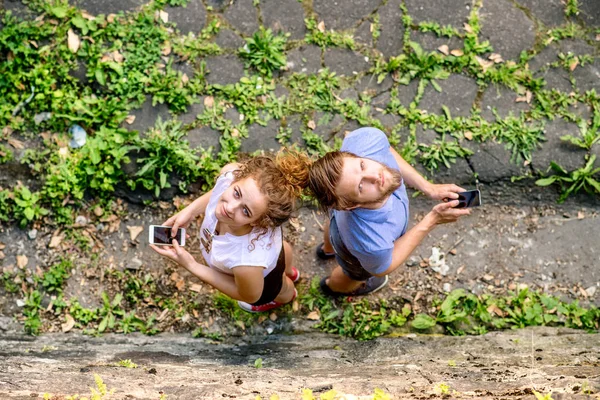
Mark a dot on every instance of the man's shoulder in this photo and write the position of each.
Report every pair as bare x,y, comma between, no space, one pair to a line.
365,141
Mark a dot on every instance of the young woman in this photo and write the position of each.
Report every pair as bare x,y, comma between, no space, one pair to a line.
241,237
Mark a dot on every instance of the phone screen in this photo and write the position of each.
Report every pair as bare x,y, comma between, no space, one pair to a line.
162,235
472,198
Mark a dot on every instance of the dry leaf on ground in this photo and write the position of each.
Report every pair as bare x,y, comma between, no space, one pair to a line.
69,324
209,101
22,261
444,49
73,41
457,53
311,124
134,231
56,239
485,65
166,49
118,57
130,119
17,144
573,65
196,288
164,16
313,316
321,26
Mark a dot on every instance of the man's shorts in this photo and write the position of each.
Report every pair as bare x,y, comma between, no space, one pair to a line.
350,264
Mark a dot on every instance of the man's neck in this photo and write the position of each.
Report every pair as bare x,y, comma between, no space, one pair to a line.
375,205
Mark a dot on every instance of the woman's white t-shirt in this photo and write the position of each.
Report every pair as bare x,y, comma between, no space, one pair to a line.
228,251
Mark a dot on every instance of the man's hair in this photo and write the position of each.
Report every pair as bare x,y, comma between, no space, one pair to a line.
324,177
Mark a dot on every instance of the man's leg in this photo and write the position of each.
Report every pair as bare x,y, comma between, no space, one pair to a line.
339,282
327,247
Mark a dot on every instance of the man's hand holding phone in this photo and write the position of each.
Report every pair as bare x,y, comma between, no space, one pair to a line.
445,213
444,191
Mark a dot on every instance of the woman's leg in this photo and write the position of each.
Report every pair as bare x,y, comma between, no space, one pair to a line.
288,292
289,258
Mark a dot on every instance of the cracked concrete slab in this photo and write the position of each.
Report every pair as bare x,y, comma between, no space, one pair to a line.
446,12
190,18
341,15
590,12
492,162
507,28
345,61
587,77
389,42
550,12
96,7
503,100
229,40
363,33
224,69
243,16
369,84
262,137
430,42
147,115
284,16
305,59
458,94
204,137
566,154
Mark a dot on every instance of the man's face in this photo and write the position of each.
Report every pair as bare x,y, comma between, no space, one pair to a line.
367,183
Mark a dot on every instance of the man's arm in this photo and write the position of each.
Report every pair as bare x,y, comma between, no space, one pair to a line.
415,180
403,246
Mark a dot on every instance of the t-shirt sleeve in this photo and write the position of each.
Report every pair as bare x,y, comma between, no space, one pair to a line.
222,183
366,142
376,262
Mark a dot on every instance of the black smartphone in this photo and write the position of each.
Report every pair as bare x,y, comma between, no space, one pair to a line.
161,235
471,198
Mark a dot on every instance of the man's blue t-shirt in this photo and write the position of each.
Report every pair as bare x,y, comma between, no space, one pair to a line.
370,234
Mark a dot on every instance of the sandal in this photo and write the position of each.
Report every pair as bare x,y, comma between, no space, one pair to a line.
322,254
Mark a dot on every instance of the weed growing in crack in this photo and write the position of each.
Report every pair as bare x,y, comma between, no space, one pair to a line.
265,52
586,178
317,34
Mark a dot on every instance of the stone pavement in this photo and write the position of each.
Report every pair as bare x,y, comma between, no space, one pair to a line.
513,28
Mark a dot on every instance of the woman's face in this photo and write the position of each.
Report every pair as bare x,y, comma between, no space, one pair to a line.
241,204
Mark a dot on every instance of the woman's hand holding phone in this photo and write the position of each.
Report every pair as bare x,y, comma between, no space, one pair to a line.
176,253
180,220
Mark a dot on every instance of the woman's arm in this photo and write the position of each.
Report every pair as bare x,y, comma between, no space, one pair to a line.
246,284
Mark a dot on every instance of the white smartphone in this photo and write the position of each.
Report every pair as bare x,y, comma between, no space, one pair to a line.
161,235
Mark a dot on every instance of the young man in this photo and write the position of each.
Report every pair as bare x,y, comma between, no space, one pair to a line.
363,187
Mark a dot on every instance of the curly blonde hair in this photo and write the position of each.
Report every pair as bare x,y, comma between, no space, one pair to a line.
282,180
